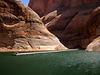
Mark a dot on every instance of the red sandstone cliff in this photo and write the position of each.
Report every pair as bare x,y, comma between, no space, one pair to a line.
40,6
21,29
69,20
94,27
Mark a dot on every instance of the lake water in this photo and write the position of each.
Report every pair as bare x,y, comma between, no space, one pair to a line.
63,63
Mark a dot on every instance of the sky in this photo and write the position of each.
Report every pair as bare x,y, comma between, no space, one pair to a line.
25,2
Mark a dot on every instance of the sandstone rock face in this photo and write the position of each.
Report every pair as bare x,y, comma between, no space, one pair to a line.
38,5
57,20
94,22
75,29
41,6
71,21
90,1
21,29
69,26
94,46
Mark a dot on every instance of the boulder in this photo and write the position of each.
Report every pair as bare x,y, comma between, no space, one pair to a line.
21,29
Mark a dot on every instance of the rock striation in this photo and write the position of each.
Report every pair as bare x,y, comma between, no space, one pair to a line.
21,29
94,30
70,21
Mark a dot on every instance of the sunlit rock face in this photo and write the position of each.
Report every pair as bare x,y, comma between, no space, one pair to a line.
21,29
68,20
94,46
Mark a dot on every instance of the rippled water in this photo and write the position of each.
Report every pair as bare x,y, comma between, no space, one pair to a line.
63,63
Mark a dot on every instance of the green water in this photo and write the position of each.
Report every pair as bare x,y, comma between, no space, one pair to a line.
63,63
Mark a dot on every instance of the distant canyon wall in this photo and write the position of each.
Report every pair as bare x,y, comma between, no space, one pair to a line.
41,6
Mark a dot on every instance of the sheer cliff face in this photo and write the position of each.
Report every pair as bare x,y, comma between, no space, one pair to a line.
22,29
40,6
69,20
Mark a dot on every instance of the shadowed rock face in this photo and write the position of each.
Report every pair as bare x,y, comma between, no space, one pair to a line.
22,29
42,6
93,28
90,1
68,20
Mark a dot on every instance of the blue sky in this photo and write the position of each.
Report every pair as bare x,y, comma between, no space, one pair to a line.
25,2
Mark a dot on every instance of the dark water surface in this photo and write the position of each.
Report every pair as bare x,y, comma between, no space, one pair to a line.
63,63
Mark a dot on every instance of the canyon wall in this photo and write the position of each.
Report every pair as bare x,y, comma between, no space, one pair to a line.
41,6
69,20
21,29
94,27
